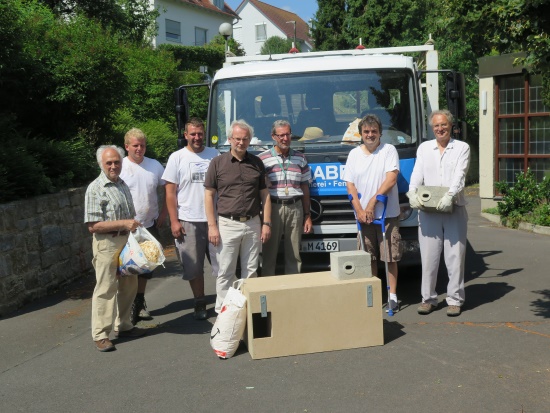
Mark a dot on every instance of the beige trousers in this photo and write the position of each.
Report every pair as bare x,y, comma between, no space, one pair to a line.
287,220
110,290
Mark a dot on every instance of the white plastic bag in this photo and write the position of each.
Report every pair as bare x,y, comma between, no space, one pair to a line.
230,324
132,260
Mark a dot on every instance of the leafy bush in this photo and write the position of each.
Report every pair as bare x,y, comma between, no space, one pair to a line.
526,200
276,45
234,46
192,57
541,215
161,138
34,166
152,76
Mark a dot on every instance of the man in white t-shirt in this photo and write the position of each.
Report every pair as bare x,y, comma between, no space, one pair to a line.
372,169
184,176
143,176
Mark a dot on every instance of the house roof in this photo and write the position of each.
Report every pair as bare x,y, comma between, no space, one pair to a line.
280,17
207,4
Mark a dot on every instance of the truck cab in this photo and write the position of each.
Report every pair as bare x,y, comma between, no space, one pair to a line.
323,95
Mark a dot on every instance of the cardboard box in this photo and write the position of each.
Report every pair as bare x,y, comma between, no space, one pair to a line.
347,265
309,313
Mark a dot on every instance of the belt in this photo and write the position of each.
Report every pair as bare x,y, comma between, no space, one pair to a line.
286,201
117,233
236,217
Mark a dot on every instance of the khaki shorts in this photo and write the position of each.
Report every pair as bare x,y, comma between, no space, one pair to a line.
374,241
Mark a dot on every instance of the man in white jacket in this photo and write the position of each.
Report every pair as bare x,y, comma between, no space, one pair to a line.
443,162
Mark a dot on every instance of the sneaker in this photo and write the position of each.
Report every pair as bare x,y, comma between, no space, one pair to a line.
144,314
200,312
104,345
394,305
453,311
425,308
132,333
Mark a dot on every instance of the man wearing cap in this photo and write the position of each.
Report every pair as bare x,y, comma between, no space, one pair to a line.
288,177
235,184
109,213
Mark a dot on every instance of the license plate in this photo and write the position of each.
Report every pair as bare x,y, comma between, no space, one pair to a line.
320,246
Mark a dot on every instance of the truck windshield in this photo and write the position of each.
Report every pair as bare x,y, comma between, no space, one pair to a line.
323,108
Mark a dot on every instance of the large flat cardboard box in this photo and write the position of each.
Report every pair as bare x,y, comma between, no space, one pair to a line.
309,313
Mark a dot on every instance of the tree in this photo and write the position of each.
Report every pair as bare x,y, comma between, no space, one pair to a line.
276,45
133,20
504,26
234,46
385,24
329,24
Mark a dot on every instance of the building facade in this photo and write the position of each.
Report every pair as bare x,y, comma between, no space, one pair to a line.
258,21
514,125
190,22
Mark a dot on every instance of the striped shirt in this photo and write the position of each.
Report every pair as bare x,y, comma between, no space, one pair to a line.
108,201
286,172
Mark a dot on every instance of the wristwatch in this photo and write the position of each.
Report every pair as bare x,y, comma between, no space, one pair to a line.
268,224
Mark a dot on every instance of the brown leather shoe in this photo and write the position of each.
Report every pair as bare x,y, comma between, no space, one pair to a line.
104,345
132,333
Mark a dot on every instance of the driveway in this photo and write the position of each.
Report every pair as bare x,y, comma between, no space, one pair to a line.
495,357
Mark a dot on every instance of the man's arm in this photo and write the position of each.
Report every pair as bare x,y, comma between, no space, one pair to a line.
306,204
213,231
103,227
266,204
387,185
172,207
359,211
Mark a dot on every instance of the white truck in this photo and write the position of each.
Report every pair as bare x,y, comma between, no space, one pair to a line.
322,95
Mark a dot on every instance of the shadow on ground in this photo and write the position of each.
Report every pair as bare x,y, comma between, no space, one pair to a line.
542,305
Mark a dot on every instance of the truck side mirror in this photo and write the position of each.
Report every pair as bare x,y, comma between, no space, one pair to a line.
456,102
182,113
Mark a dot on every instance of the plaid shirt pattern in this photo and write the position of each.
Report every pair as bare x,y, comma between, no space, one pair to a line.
108,201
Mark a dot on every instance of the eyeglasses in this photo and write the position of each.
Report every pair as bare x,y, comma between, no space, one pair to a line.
239,140
283,135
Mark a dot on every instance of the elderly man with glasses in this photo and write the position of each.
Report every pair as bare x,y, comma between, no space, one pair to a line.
235,186
288,176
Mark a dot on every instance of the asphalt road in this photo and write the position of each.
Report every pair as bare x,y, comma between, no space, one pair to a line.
495,357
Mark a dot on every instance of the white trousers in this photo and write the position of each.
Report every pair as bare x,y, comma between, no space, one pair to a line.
443,232
236,239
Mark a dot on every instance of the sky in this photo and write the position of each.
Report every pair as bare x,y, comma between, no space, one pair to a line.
303,8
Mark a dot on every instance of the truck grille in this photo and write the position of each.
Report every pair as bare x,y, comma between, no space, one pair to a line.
332,210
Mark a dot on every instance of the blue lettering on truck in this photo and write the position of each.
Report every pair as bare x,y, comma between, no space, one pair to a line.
327,178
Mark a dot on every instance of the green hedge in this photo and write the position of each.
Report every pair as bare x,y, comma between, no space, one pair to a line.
190,58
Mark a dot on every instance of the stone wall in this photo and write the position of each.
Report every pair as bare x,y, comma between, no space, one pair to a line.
44,244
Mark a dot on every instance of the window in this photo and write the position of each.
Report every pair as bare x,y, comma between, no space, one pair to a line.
173,31
523,128
261,32
218,4
200,36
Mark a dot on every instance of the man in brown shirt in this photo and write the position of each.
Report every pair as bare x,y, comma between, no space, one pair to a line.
238,179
